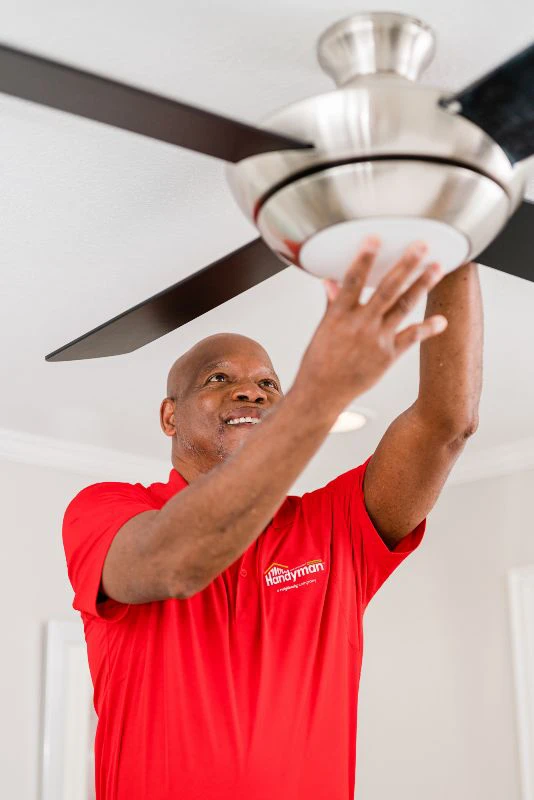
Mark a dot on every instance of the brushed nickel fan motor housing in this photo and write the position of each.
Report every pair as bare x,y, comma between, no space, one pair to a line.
387,160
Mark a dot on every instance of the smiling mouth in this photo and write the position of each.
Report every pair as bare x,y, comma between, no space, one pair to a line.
243,421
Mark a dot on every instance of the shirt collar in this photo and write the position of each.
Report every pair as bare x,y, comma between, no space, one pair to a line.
176,480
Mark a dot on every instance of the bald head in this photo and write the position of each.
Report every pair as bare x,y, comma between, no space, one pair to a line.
220,376
210,350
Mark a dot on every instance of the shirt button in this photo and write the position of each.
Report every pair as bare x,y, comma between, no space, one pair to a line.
243,573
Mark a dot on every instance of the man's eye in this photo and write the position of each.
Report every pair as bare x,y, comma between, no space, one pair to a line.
273,384
217,375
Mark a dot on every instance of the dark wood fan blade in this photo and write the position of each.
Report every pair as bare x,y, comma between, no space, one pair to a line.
502,104
67,89
512,251
173,307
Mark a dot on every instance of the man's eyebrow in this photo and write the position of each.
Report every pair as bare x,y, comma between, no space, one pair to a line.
215,364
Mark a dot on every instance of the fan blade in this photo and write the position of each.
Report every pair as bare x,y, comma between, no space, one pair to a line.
502,104
67,89
512,251
173,307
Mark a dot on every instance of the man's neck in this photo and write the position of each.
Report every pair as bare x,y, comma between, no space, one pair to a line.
191,470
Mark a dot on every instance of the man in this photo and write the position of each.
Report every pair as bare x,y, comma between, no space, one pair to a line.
223,619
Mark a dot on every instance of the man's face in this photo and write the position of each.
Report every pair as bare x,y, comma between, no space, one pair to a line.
220,384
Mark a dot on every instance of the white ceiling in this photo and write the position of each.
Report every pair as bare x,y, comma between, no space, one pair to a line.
94,220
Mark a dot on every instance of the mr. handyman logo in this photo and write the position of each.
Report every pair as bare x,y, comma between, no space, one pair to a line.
281,573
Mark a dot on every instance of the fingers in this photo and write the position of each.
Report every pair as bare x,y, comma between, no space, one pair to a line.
393,284
356,276
419,332
407,301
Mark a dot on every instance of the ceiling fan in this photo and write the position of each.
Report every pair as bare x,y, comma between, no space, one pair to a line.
381,154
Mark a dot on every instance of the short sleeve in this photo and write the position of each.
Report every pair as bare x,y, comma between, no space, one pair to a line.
90,522
373,560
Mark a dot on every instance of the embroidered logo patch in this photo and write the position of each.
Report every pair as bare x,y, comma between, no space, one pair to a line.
290,576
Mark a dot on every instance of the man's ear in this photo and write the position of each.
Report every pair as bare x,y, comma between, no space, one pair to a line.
167,416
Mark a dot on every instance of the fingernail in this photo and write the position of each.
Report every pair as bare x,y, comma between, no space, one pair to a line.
440,323
332,288
371,244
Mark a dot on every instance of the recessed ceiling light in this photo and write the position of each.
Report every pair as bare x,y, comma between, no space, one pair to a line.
352,419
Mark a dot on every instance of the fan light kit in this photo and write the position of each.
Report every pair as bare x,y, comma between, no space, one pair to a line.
381,154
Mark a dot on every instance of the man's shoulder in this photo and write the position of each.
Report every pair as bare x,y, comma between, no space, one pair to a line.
314,502
349,480
108,492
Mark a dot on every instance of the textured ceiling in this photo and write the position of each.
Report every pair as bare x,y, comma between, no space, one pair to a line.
95,219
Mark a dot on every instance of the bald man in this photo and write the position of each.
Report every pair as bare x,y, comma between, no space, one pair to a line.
223,618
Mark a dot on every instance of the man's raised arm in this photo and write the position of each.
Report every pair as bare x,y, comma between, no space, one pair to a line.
178,550
416,454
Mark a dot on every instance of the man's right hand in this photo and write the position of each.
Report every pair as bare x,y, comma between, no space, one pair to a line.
355,343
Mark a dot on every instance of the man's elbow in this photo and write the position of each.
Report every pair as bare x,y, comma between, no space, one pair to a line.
186,585
453,427
181,589
180,593
460,432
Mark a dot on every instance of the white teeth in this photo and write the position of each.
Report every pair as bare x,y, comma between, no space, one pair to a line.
253,420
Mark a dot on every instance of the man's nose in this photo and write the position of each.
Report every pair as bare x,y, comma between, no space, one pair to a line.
249,391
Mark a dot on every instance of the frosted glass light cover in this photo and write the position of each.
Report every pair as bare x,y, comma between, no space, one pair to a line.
329,253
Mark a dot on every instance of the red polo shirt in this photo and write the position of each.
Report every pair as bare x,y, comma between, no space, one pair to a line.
248,688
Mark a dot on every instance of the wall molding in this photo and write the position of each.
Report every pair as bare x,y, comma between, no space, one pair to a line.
97,462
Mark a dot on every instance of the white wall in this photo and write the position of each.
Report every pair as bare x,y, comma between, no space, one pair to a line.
34,589
437,716
437,706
